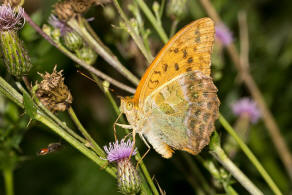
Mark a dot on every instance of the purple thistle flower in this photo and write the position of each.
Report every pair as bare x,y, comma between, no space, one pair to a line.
56,23
119,151
11,19
246,106
223,34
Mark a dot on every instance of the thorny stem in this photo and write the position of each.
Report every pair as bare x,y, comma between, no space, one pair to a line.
91,141
153,20
267,116
133,34
79,27
8,180
250,155
76,59
219,154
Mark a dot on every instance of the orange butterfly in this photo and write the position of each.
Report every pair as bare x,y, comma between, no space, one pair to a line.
175,104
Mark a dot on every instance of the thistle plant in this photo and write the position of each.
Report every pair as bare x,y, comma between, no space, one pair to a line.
220,168
15,56
127,175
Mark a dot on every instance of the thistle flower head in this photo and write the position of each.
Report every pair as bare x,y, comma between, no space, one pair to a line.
246,106
56,23
11,18
223,34
118,151
128,177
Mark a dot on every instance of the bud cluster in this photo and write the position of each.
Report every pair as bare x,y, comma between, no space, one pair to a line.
71,39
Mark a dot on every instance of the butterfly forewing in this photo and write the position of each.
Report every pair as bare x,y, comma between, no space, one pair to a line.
189,50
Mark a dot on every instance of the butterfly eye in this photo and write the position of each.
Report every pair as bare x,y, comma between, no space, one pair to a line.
129,106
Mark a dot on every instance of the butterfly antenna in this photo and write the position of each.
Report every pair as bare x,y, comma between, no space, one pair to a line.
88,77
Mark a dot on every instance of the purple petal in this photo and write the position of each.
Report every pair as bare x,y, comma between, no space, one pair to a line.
117,151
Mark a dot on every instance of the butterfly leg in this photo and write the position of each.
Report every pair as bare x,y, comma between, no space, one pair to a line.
148,150
114,126
134,142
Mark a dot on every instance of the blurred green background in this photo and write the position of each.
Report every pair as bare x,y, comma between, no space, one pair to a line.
69,172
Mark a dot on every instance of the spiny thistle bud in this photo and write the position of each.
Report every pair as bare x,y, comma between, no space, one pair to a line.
73,41
176,9
128,178
53,93
15,56
86,54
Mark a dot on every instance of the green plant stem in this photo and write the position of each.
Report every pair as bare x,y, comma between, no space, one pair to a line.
133,34
250,155
219,154
10,93
8,180
196,172
137,156
92,142
213,170
162,6
152,19
79,27
173,27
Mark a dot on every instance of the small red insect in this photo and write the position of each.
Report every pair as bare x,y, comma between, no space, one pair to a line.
51,148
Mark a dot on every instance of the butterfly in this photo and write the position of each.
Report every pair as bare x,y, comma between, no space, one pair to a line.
176,105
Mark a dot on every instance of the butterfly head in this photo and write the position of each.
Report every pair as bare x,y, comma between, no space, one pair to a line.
129,107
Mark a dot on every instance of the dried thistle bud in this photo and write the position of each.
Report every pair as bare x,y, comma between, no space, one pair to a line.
13,3
73,41
15,56
86,54
53,93
69,8
81,6
64,10
176,9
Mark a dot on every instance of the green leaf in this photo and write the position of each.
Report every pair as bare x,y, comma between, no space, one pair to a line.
29,106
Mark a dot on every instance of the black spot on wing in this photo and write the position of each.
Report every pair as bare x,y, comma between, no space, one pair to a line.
176,66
